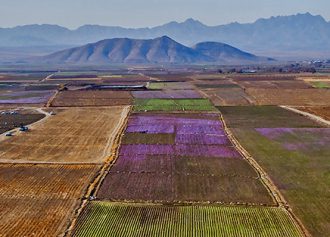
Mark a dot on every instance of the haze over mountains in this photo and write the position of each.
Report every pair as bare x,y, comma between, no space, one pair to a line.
159,50
301,34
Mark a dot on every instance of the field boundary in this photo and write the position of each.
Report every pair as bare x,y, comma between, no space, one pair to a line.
313,117
93,187
268,183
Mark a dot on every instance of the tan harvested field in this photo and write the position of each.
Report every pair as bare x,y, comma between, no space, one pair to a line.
228,96
90,98
289,84
73,135
298,97
323,112
39,200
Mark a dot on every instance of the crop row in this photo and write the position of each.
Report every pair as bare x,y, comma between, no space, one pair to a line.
173,158
111,219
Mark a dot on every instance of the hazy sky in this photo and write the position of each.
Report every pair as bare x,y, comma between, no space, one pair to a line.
139,13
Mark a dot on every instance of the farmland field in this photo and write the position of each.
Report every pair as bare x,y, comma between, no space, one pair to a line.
264,117
91,98
229,96
321,84
39,200
170,86
25,97
146,152
73,135
173,105
197,162
167,94
11,121
112,219
298,97
323,112
295,156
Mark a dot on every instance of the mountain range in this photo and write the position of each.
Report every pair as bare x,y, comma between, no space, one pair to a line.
159,50
300,33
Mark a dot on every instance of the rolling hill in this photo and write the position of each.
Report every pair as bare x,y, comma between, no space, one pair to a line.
158,50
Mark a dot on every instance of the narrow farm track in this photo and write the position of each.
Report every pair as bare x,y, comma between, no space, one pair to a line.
308,115
94,186
47,78
274,191
51,99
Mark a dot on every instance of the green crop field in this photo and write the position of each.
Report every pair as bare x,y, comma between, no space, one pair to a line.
296,159
113,219
321,84
173,105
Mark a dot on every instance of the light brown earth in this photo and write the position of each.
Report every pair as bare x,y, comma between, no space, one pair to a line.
293,97
73,135
91,98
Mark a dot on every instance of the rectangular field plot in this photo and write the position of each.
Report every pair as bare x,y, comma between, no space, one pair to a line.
181,157
263,117
198,165
294,97
173,105
167,94
92,98
40,200
297,160
183,187
25,97
73,135
229,97
111,219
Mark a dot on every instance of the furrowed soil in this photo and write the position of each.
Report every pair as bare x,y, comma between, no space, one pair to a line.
160,167
39,200
114,219
73,135
9,121
91,98
323,112
294,97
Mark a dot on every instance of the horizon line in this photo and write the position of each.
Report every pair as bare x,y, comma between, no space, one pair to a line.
150,27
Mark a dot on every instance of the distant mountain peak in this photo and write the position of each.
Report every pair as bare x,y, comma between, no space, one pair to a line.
159,50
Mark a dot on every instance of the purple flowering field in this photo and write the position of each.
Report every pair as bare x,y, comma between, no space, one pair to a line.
199,136
25,97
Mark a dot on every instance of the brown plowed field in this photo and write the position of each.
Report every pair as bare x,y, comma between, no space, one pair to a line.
165,187
92,98
39,200
323,112
282,84
228,96
298,97
73,135
9,122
